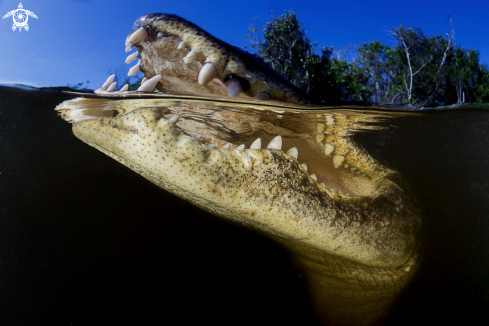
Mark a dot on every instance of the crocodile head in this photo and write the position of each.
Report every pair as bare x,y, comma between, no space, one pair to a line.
347,220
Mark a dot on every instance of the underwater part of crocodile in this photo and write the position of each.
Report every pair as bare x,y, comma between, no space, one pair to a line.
348,221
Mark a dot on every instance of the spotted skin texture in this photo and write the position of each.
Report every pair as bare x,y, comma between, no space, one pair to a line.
357,251
159,55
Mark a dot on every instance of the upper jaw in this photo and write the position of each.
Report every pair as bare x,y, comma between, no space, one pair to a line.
178,57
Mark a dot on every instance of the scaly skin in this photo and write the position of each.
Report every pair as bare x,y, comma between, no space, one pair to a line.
356,242
159,56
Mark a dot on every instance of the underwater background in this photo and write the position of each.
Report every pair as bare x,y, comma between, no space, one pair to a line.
85,240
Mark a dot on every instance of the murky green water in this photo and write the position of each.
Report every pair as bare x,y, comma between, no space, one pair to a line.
85,240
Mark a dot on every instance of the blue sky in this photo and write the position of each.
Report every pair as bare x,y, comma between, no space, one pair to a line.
74,41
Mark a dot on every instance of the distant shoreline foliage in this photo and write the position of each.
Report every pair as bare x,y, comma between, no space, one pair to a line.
420,70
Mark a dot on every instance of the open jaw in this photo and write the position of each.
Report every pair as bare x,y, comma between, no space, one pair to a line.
181,58
289,170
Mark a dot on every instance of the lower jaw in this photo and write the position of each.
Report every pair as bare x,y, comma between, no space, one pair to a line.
343,290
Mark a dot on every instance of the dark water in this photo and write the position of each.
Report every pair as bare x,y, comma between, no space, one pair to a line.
86,241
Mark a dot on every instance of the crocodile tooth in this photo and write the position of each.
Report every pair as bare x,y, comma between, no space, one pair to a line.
241,147
293,152
262,96
130,58
338,160
111,87
276,143
108,81
322,184
134,70
173,119
160,34
149,85
181,45
234,87
136,37
332,189
328,148
256,144
190,57
313,176
124,88
227,146
304,165
329,120
198,137
207,73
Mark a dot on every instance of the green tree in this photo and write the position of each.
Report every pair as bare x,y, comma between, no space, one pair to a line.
419,70
283,44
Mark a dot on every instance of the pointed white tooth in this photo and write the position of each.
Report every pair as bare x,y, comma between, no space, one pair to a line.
338,160
207,73
149,85
136,37
191,57
241,147
181,45
106,85
111,87
328,148
256,144
160,34
124,88
198,137
234,88
144,80
293,152
227,146
262,96
276,143
313,176
134,69
322,184
332,189
130,58
211,145
173,119
304,165
108,81
340,192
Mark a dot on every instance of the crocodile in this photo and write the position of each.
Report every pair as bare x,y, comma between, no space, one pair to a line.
197,127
